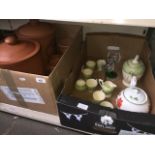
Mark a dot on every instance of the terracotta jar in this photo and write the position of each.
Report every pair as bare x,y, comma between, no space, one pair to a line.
42,32
21,55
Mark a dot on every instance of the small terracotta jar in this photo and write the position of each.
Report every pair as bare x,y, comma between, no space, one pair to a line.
42,32
21,55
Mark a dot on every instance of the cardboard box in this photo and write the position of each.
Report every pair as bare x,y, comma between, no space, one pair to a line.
77,111
34,96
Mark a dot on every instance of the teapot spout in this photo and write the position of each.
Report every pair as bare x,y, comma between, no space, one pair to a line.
111,84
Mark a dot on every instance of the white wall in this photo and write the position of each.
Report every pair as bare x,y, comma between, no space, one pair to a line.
88,27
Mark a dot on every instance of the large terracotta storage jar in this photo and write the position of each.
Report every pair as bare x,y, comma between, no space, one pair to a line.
21,55
42,32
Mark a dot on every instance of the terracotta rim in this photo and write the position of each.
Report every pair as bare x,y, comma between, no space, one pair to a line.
21,34
35,51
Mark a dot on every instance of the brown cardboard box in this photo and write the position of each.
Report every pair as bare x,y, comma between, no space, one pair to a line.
69,101
31,95
130,46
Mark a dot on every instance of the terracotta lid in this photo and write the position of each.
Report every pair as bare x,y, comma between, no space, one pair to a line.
13,51
36,29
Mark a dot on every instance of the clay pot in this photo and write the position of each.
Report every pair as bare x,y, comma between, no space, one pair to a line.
21,55
42,32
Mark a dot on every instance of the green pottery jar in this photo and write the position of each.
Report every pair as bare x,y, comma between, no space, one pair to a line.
132,67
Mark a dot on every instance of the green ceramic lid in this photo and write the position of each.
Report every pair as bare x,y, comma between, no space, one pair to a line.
134,66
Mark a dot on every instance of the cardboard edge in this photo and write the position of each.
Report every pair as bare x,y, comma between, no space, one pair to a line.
115,33
70,80
55,72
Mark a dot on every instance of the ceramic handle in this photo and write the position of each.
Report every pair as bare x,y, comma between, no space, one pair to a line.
11,40
101,82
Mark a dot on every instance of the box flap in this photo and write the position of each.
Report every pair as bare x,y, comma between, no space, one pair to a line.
97,44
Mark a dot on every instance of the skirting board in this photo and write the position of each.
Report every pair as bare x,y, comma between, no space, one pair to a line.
39,116
34,115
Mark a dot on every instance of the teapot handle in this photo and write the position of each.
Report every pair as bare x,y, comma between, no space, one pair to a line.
133,82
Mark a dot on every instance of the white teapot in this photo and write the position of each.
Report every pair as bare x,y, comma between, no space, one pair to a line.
133,99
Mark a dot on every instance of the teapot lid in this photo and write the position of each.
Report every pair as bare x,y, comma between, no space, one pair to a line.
34,28
135,95
135,62
13,50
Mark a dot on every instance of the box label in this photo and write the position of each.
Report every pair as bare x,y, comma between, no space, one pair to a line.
105,124
28,94
82,106
40,80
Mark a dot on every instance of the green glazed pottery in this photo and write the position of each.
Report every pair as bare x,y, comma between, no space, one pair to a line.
132,67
